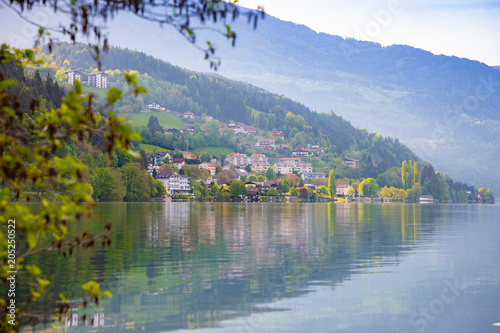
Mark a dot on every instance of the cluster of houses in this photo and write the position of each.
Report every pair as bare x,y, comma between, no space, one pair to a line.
187,129
96,80
176,183
238,128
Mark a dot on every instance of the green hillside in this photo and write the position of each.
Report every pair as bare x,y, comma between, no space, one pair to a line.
222,99
150,149
165,119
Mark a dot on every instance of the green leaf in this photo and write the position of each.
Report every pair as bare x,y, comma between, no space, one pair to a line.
106,294
33,270
130,78
141,90
114,94
43,283
63,299
34,294
7,83
31,240
40,31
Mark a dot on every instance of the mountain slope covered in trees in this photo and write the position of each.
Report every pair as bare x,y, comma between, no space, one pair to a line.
225,100
444,108
213,95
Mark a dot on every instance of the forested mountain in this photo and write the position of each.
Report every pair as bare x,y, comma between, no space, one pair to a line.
444,108
226,100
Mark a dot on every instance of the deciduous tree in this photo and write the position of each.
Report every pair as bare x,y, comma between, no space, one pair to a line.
332,186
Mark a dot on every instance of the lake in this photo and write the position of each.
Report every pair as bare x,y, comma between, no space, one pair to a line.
287,267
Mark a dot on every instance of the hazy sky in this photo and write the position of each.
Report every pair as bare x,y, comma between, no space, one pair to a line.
464,28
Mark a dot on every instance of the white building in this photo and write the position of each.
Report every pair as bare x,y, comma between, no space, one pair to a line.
313,175
74,75
98,80
290,165
238,159
173,182
260,166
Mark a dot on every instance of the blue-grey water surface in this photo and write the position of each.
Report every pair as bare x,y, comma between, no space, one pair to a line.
257,267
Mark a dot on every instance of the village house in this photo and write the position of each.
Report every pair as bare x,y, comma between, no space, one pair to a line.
179,162
188,114
279,134
240,173
208,166
188,156
171,130
343,189
160,156
265,143
245,130
318,151
300,150
351,162
153,105
187,129
174,183
426,199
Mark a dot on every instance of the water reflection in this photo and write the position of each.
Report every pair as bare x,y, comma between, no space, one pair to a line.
262,266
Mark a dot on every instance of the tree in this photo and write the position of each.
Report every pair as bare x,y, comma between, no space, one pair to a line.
30,162
404,174
136,182
237,188
303,192
415,193
368,187
284,188
415,173
269,174
214,190
154,125
272,192
332,186
103,185
487,194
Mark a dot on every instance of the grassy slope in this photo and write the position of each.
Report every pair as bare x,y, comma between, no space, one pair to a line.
149,149
214,150
165,119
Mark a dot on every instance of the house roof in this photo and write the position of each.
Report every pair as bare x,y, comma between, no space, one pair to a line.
343,186
168,173
179,160
248,128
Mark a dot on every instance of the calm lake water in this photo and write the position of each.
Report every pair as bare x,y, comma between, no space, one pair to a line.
226,267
